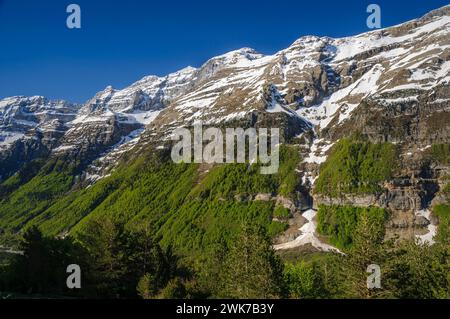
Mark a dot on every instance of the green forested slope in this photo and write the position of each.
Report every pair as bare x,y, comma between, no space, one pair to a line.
187,209
155,229
356,168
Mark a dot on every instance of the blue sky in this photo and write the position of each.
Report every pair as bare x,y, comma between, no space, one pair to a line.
122,41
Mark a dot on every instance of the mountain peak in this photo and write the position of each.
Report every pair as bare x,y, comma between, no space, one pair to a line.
236,56
307,39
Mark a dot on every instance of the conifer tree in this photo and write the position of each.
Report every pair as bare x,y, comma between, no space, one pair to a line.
367,249
251,268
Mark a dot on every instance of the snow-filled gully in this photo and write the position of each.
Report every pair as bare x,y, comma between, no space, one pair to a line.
308,236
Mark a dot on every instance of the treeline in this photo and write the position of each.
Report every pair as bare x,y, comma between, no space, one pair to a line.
409,270
117,262
114,262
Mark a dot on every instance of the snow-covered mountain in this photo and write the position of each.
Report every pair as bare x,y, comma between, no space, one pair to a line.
19,115
319,85
30,127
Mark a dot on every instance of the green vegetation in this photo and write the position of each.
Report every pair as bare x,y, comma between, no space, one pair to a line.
23,176
443,214
340,222
19,204
113,263
128,263
408,269
420,271
441,153
304,280
251,269
366,249
446,190
188,210
281,212
225,181
356,168
154,229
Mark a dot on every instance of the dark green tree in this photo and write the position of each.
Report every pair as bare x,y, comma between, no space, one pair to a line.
420,271
367,249
251,268
104,241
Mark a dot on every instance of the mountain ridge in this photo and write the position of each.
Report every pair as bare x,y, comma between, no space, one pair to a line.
386,86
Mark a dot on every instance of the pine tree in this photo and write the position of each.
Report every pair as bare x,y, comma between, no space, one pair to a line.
367,249
146,287
35,260
251,268
104,242
420,271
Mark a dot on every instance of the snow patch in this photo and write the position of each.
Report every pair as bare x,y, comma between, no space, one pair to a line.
308,236
8,138
428,238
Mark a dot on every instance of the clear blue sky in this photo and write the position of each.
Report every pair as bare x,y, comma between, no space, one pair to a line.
122,41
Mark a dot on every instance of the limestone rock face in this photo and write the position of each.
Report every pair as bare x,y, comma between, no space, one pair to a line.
263,197
285,202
